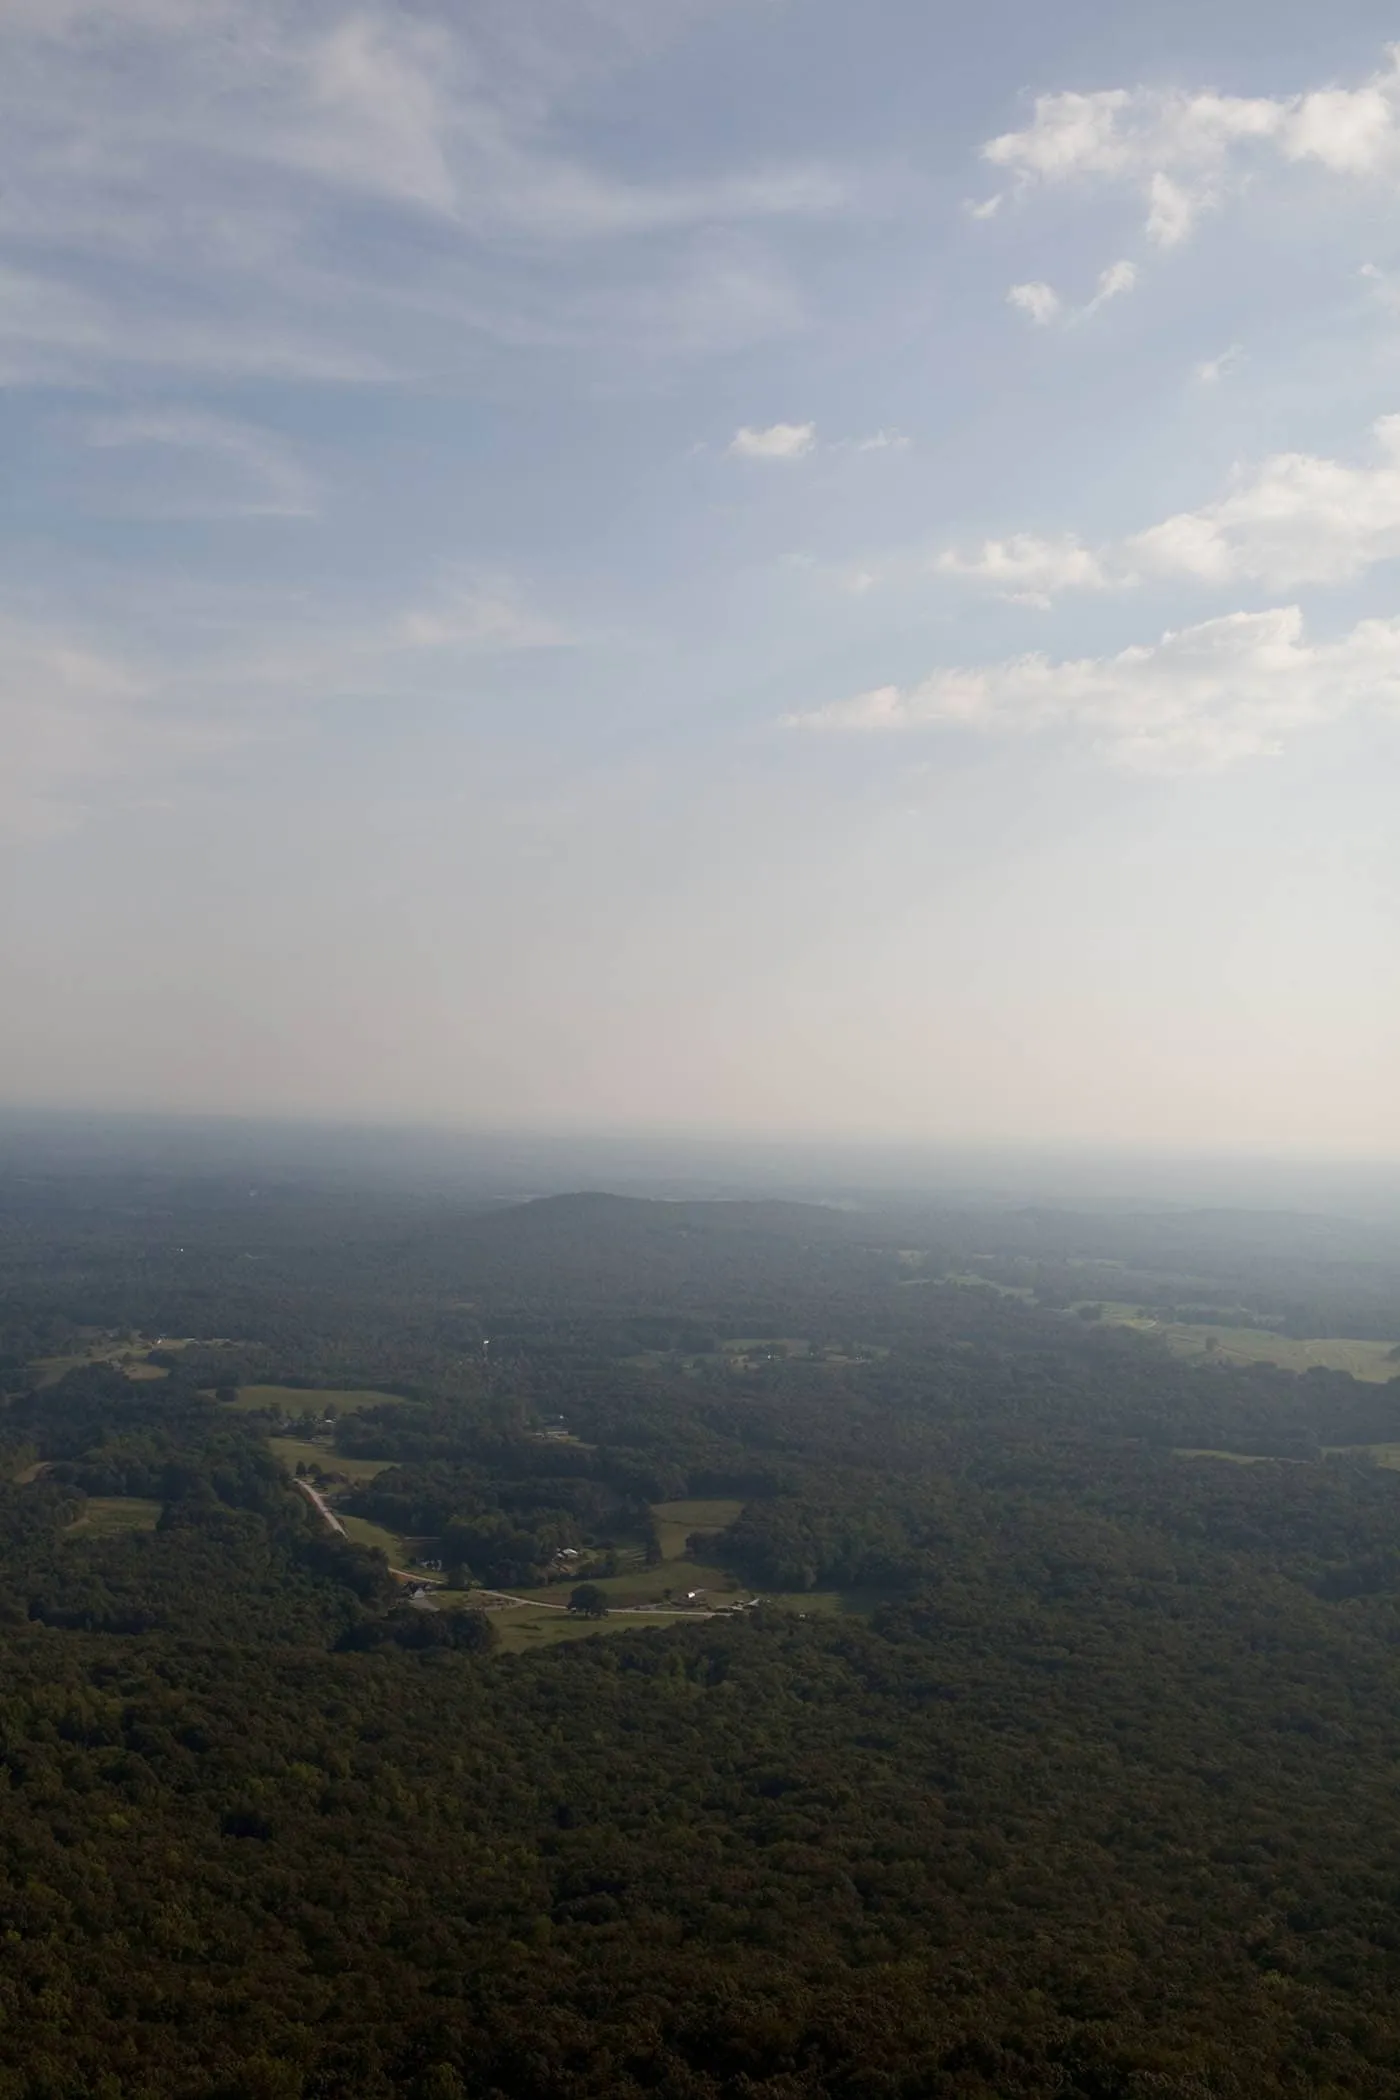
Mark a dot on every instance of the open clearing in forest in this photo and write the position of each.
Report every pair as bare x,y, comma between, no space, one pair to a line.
364,1533
128,1357
676,1521
294,1451
1238,1458
305,1400
1372,1361
522,1627
107,1515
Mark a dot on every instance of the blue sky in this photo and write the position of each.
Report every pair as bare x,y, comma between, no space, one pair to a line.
753,565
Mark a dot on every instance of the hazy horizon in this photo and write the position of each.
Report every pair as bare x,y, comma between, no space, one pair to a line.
521,1165
708,574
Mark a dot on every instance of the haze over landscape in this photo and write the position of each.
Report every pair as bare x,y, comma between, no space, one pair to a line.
721,566
699,1142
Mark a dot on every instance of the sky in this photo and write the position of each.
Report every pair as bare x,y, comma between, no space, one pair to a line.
752,566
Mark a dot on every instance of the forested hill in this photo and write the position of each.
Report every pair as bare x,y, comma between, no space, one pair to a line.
596,1647
599,1249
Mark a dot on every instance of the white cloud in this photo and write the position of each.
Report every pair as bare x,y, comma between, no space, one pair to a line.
1199,699
1181,150
986,209
254,474
1171,212
1211,370
777,441
1026,569
881,441
1118,278
1294,519
1040,301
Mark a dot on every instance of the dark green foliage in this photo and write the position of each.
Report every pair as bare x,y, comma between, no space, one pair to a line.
1097,1800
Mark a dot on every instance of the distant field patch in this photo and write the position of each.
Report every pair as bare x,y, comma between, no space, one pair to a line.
107,1515
300,1400
1258,1345
127,1357
364,1533
639,1585
1387,1455
524,1627
1238,1458
293,1452
676,1521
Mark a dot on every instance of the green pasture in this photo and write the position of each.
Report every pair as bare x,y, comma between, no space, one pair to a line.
1259,1345
364,1533
128,1356
1387,1455
299,1400
105,1516
525,1627
293,1451
675,1521
639,1585
1237,1458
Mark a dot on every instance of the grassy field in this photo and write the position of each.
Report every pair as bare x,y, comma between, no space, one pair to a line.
1387,1455
129,1356
1238,1458
524,1627
364,1533
297,1400
1258,1345
292,1452
106,1515
675,1521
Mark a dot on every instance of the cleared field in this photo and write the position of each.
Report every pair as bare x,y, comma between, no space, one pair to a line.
298,1400
128,1357
523,1627
641,1585
107,1515
1257,1345
1238,1458
675,1521
364,1533
1387,1455
293,1452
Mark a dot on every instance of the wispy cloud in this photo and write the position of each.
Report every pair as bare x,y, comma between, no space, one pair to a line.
778,441
238,470
84,717
1118,278
1199,699
479,612
1211,370
76,722
277,185
1043,304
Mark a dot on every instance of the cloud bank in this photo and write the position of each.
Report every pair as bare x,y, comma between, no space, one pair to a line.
1294,518
1181,151
1199,699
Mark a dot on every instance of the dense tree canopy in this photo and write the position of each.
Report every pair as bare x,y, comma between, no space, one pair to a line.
1055,1760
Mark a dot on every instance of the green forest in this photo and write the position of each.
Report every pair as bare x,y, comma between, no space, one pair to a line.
711,1651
